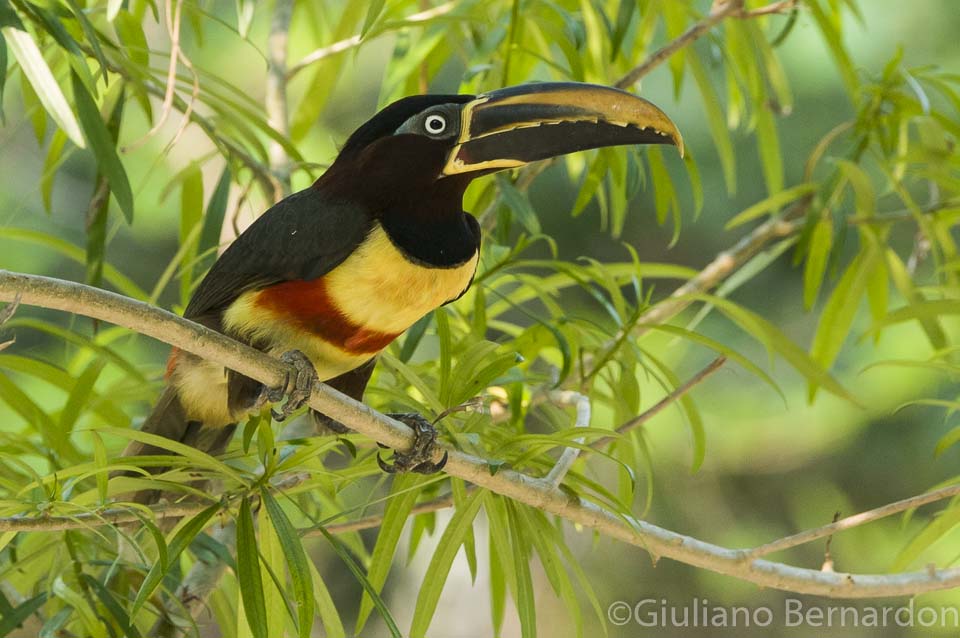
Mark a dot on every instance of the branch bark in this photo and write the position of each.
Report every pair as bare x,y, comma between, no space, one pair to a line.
160,324
721,10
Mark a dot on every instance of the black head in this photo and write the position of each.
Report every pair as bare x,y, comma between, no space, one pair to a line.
418,155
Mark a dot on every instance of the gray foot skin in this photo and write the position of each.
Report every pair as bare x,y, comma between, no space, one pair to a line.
418,458
301,378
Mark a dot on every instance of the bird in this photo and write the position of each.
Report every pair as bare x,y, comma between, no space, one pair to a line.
329,276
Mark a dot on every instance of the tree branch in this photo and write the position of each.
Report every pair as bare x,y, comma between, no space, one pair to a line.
854,521
722,9
660,542
661,405
355,40
722,266
569,456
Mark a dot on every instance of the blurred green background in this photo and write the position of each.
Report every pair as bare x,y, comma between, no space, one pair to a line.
772,467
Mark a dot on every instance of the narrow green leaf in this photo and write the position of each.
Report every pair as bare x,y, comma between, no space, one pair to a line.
297,563
97,231
526,604
768,143
373,12
947,441
9,17
249,577
414,336
921,310
719,131
36,71
103,147
181,540
92,625
934,531
3,78
213,222
32,413
329,614
865,196
519,205
191,214
440,563
904,284
116,610
12,621
192,454
80,395
114,277
100,459
400,502
831,34
351,564
771,204
245,9
821,242
130,31
777,342
92,40
543,538
593,177
838,313
51,164
113,8
498,584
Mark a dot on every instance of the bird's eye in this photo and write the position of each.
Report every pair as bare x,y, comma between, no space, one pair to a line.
435,124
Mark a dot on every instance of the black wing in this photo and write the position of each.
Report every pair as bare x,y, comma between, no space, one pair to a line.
301,237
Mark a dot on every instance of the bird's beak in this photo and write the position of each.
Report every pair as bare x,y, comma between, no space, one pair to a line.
521,124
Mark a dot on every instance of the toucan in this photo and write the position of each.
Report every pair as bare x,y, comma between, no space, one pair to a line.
331,275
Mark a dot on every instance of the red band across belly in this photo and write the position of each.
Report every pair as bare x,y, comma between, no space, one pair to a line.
308,305
171,362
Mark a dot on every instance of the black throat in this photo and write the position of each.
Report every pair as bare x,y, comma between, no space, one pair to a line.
437,241
397,179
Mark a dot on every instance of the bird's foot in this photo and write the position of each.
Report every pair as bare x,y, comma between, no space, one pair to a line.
301,379
418,459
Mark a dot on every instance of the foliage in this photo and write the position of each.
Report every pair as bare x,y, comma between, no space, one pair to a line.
93,78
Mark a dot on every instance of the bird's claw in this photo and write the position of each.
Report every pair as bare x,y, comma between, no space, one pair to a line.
301,378
418,458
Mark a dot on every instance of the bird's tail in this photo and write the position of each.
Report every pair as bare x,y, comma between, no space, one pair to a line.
169,420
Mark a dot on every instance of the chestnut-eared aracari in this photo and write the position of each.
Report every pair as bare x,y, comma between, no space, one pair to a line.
329,276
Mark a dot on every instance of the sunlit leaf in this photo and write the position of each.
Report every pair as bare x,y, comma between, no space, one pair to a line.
297,561
821,242
104,147
439,567
403,496
47,89
248,573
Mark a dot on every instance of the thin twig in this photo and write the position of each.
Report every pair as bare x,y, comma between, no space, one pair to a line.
722,9
5,316
374,520
194,98
723,265
173,27
661,405
227,145
856,520
827,565
569,456
355,40
195,588
208,344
